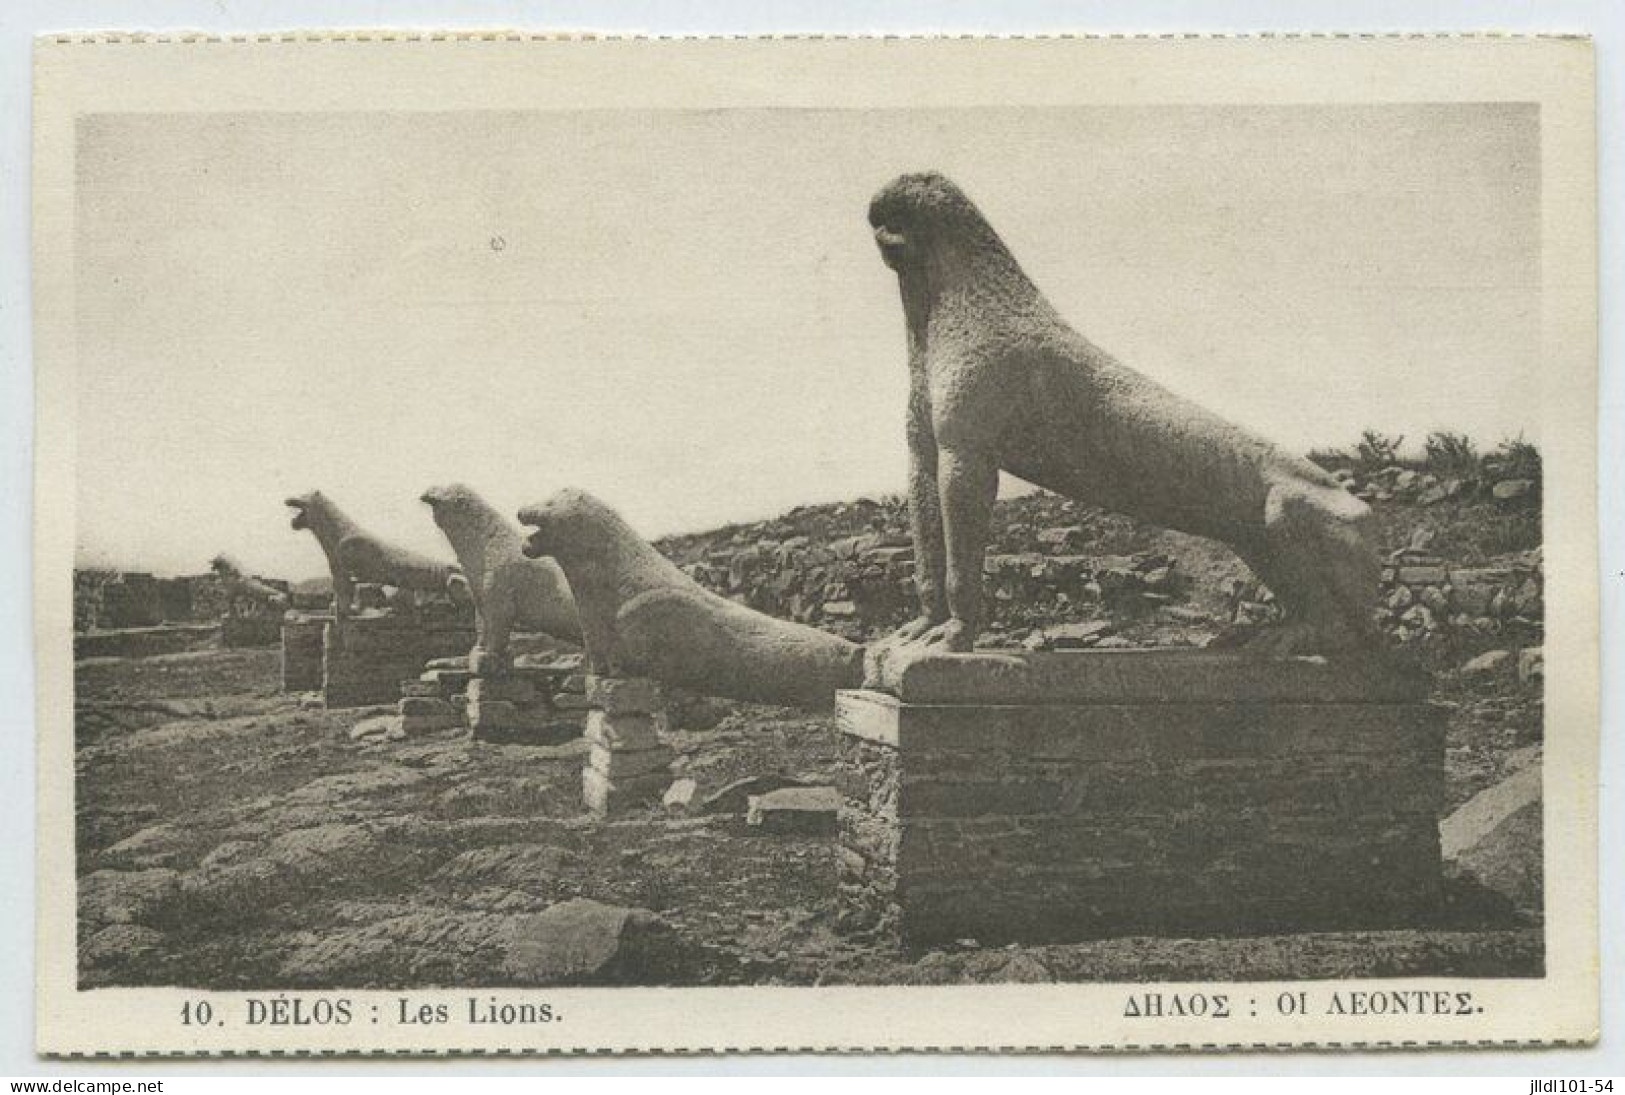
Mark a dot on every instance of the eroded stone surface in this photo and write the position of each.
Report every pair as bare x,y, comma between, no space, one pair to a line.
235,757
126,897
1496,838
365,657
291,866
588,942
917,673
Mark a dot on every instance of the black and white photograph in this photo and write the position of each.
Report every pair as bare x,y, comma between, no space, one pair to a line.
778,543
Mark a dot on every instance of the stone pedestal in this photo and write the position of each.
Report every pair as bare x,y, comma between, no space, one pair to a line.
627,763
366,663
250,629
1067,796
516,704
302,651
516,708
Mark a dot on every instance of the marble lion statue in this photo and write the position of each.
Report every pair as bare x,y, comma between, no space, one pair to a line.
241,586
368,559
355,555
999,381
511,592
642,616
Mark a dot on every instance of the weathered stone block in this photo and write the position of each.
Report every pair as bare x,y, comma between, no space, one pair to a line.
604,795
427,724
492,714
808,811
426,706
1531,664
620,764
512,689
624,695
623,732
448,680
679,797
535,726
734,798
365,661
1144,802
302,652
926,676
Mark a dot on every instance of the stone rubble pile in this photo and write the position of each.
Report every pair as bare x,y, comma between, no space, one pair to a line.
527,702
862,585
1059,578
1424,598
1396,483
110,599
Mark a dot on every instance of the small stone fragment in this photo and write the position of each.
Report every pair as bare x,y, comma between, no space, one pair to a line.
1077,636
680,795
378,728
810,811
734,798
1531,663
1488,662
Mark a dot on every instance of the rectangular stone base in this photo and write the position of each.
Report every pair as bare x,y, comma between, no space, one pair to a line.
607,796
536,723
302,652
627,763
258,630
1152,805
366,663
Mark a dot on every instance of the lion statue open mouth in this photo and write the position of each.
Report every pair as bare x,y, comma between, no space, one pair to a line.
355,556
510,592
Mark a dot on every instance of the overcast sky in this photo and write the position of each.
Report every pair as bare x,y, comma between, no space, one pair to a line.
684,313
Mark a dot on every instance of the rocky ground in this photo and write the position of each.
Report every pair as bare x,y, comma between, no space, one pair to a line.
234,837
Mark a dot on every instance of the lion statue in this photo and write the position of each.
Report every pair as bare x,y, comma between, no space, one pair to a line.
999,381
510,592
241,587
355,556
642,616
